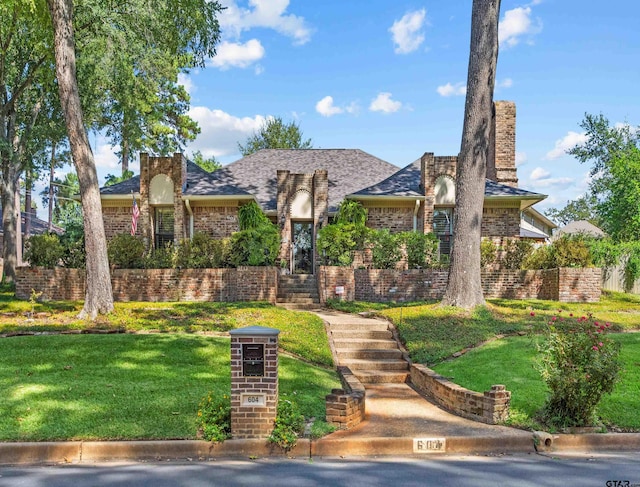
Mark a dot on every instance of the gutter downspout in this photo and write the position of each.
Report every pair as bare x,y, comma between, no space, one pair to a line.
188,205
415,216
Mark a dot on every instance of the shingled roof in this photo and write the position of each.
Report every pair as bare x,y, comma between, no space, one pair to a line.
349,170
406,183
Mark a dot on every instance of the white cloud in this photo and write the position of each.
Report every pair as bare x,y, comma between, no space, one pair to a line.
459,89
221,132
326,108
269,14
515,24
384,103
232,54
566,143
353,108
407,33
505,83
186,81
521,158
539,173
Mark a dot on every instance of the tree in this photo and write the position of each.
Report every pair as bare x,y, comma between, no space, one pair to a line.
112,179
582,208
98,296
66,211
614,153
275,134
464,288
208,165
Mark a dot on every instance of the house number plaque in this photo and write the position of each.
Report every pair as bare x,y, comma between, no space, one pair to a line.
258,400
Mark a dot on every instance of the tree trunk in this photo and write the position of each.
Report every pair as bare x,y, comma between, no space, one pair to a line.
99,296
125,154
464,288
10,223
28,184
52,171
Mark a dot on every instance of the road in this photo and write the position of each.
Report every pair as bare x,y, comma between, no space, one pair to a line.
619,470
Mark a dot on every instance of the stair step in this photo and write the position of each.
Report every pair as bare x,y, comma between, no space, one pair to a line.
298,300
297,295
376,365
365,344
380,326
378,377
362,334
379,354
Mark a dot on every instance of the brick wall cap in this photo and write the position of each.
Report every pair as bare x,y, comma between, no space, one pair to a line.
255,331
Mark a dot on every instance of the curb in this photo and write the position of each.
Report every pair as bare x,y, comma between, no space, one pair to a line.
194,450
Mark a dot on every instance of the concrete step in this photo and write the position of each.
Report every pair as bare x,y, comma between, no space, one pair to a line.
297,300
355,353
297,279
298,295
391,365
368,326
365,344
378,377
299,306
362,334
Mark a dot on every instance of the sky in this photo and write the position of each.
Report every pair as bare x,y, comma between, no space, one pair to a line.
389,78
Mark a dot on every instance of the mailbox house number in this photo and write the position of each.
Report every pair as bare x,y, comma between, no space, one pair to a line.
253,360
253,399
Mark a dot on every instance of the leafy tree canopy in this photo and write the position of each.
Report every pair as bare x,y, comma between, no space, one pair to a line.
614,154
583,208
275,134
208,165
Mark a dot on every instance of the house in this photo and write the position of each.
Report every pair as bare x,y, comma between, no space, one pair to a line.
579,227
37,227
535,226
301,189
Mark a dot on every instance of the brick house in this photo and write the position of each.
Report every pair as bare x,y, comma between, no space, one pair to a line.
301,189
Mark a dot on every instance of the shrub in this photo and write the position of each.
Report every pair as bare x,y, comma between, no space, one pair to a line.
202,251
255,246
126,251
385,248
72,241
162,258
44,250
488,253
289,425
336,243
214,417
540,258
571,251
422,249
251,216
351,211
579,364
516,252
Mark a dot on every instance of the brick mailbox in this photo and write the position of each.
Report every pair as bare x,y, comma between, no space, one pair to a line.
254,381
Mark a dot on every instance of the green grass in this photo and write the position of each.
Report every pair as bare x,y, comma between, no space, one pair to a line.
511,362
432,333
301,333
72,387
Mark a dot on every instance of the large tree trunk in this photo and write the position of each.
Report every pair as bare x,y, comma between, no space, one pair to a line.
10,223
28,185
465,288
52,171
99,297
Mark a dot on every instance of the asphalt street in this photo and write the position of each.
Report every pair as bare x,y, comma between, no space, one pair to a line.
527,470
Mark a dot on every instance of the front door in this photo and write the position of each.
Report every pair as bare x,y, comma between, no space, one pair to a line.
302,247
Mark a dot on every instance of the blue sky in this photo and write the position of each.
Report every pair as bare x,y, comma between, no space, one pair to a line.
388,77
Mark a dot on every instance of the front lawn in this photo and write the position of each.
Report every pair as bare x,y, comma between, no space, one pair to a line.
73,387
511,362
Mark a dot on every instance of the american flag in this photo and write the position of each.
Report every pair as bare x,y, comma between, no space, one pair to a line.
135,213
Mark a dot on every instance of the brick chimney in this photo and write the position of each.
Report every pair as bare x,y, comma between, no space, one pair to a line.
501,164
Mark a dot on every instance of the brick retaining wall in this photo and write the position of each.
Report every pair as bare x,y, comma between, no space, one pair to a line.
345,407
380,285
492,407
241,284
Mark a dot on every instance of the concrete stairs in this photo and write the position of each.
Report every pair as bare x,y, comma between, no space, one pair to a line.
298,291
368,348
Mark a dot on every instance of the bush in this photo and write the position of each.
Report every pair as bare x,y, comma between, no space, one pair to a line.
214,417
385,248
579,364
337,242
422,249
126,251
162,258
567,251
202,251
72,241
516,252
255,246
540,258
488,253
289,425
351,211
251,216
44,250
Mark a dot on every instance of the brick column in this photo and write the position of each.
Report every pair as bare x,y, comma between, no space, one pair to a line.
254,381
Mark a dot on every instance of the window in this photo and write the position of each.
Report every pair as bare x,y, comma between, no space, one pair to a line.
443,228
164,226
